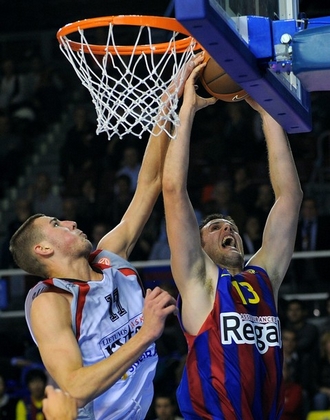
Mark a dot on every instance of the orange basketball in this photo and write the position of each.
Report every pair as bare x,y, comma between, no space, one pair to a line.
219,84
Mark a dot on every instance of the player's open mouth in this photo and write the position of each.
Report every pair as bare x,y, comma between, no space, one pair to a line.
228,241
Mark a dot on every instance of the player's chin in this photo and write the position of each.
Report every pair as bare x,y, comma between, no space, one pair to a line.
87,246
236,256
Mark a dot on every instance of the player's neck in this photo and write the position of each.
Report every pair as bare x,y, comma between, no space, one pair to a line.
78,269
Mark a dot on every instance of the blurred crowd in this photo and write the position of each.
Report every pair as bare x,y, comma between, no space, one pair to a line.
228,174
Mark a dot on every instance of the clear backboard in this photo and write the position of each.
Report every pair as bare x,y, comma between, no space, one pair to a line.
250,39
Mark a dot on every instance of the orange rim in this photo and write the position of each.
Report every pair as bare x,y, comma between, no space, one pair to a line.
170,24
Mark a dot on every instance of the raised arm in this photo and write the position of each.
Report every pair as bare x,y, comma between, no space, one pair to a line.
188,260
281,226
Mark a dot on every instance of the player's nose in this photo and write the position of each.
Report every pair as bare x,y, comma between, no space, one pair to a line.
227,227
70,224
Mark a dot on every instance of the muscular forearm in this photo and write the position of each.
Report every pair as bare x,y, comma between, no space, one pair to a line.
283,173
88,382
177,159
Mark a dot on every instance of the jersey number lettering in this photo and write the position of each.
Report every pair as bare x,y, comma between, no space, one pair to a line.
254,299
115,308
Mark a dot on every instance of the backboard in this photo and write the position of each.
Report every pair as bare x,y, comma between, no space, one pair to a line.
243,37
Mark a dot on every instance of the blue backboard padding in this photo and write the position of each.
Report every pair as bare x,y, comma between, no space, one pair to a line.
316,22
260,41
311,58
217,36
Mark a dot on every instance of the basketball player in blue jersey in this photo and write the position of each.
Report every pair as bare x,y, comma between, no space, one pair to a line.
94,328
228,311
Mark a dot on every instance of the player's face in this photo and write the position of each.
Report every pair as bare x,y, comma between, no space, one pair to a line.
223,244
64,235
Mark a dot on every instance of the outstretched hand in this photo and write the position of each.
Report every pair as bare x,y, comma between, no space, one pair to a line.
190,93
157,306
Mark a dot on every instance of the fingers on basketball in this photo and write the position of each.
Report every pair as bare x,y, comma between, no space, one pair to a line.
219,84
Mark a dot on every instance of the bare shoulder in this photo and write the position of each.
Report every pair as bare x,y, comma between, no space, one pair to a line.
52,296
51,307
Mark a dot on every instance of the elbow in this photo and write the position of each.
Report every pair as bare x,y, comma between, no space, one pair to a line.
80,398
82,394
172,193
168,188
296,198
172,186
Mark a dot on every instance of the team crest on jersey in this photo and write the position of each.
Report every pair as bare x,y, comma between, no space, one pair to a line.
104,261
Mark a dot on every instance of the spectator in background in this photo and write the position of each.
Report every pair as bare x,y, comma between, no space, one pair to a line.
13,89
98,230
7,403
114,209
313,234
237,133
171,348
252,235
30,407
160,249
307,335
23,210
35,74
147,238
222,201
130,165
263,203
290,354
42,197
244,190
165,407
293,397
47,98
70,211
88,205
294,370
321,400
82,153
12,152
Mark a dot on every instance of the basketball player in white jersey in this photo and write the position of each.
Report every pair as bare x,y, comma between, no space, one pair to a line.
93,326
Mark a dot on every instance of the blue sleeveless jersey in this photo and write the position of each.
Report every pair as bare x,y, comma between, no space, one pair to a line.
234,364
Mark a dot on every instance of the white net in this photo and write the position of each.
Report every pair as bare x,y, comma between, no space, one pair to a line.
128,85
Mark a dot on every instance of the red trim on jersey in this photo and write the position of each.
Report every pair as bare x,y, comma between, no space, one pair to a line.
83,290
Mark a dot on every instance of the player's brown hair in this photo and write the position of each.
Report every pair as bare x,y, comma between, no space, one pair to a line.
21,246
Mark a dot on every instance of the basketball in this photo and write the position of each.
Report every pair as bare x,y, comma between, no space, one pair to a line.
219,84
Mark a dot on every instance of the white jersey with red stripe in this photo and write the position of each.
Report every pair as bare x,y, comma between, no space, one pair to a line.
105,315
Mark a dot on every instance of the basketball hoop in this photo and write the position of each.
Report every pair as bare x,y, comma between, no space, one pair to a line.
128,83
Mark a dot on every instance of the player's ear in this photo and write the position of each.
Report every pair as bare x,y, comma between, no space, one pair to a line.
43,249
